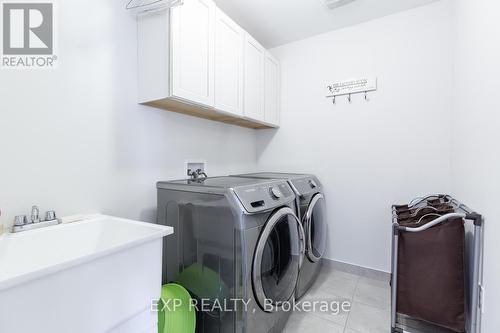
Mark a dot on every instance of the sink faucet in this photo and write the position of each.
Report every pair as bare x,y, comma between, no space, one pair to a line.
21,222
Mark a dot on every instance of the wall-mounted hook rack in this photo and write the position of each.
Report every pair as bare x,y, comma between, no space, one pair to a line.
350,87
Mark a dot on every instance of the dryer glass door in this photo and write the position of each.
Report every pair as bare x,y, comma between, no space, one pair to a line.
276,261
315,226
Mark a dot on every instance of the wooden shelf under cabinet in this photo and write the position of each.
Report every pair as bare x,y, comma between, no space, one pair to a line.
206,113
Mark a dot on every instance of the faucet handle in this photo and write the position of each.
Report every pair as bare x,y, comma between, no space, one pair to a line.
50,215
20,220
35,214
200,173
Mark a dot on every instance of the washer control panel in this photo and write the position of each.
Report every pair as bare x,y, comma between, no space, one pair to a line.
262,197
275,192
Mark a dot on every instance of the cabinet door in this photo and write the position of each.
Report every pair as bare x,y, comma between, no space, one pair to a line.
272,90
229,39
192,47
253,105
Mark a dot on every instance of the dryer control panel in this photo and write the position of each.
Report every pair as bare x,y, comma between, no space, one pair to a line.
307,185
257,198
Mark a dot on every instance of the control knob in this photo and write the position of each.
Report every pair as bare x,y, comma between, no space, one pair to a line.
276,193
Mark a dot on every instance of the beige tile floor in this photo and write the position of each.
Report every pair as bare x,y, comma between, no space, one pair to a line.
369,301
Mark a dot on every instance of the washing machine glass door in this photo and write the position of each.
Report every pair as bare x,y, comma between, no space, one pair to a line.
315,227
276,260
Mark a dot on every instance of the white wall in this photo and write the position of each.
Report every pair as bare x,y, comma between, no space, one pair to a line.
368,155
74,139
476,123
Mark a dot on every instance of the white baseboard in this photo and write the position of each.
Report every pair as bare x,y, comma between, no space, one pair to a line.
357,270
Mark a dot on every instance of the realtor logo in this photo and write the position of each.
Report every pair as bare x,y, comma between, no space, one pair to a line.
28,35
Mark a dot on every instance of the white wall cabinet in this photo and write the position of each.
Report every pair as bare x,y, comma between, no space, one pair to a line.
194,59
272,90
229,39
254,79
192,40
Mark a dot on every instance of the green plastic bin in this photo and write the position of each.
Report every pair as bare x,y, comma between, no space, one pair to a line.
180,318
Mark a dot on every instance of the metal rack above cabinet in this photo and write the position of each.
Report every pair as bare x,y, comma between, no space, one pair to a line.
147,6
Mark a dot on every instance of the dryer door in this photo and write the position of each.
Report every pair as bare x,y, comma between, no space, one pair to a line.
315,227
276,260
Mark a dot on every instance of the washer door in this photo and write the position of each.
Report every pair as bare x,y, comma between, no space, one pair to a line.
277,257
315,227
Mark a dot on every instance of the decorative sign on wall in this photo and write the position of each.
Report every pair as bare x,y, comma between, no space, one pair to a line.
350,87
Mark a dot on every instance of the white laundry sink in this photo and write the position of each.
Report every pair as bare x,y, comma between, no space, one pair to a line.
93,276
